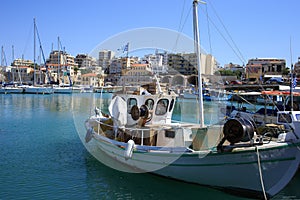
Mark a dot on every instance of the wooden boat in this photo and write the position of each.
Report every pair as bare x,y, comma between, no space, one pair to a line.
139,132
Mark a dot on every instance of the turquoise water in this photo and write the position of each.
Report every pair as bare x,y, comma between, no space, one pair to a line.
43,157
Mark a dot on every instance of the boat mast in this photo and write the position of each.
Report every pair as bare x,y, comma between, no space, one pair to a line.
292,87
291,78
197,51
58,63
34,38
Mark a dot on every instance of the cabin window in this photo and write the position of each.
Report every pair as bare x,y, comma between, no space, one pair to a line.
149,103
171,105
130,103
170,134
284,118
162,106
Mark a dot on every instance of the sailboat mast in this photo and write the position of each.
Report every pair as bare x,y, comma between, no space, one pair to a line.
197,51
58,62
291,78
34,50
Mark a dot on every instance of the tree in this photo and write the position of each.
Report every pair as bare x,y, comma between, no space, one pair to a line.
286,71
228,72
76,70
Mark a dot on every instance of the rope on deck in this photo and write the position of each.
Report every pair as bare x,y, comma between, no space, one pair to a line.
260,174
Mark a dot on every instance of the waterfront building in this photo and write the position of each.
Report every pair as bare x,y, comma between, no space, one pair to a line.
164,56
85,61
22,62
23,71
116,67
156,63
186,63
61,65
136,74
297,68
105,58
259,68
22,74
90,79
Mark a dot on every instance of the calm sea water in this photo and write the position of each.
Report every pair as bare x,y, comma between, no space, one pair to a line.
43,157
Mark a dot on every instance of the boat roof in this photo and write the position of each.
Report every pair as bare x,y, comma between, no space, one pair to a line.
281,93
247,93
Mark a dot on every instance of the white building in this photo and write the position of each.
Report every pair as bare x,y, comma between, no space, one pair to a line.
105,58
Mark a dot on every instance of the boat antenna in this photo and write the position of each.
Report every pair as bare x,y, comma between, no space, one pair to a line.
291,77
197,51
12,53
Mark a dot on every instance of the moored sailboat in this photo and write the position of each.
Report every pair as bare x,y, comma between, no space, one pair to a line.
62,88
37,89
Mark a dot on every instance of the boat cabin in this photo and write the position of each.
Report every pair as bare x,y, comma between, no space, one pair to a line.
290,121
149,109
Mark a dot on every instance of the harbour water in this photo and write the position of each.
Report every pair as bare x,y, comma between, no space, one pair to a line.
42,156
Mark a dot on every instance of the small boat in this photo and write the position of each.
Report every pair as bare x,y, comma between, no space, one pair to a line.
38,90
264,100
11,90
87,89
231,155
216,95
63,89
189,94
107,89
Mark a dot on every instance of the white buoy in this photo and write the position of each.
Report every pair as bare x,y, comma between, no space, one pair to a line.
129,149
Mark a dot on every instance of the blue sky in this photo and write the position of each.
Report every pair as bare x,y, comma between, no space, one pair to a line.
259,28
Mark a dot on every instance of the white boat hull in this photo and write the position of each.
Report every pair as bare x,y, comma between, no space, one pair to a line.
11,90
238,170
38,90
63,90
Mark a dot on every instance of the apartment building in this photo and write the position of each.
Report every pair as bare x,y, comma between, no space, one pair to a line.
61,65
186,63
258,68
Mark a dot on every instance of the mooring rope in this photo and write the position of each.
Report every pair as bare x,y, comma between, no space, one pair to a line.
260,173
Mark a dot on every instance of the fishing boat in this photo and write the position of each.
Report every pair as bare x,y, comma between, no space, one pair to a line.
230,155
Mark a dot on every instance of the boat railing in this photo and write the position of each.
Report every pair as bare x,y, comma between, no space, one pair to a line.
135,129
